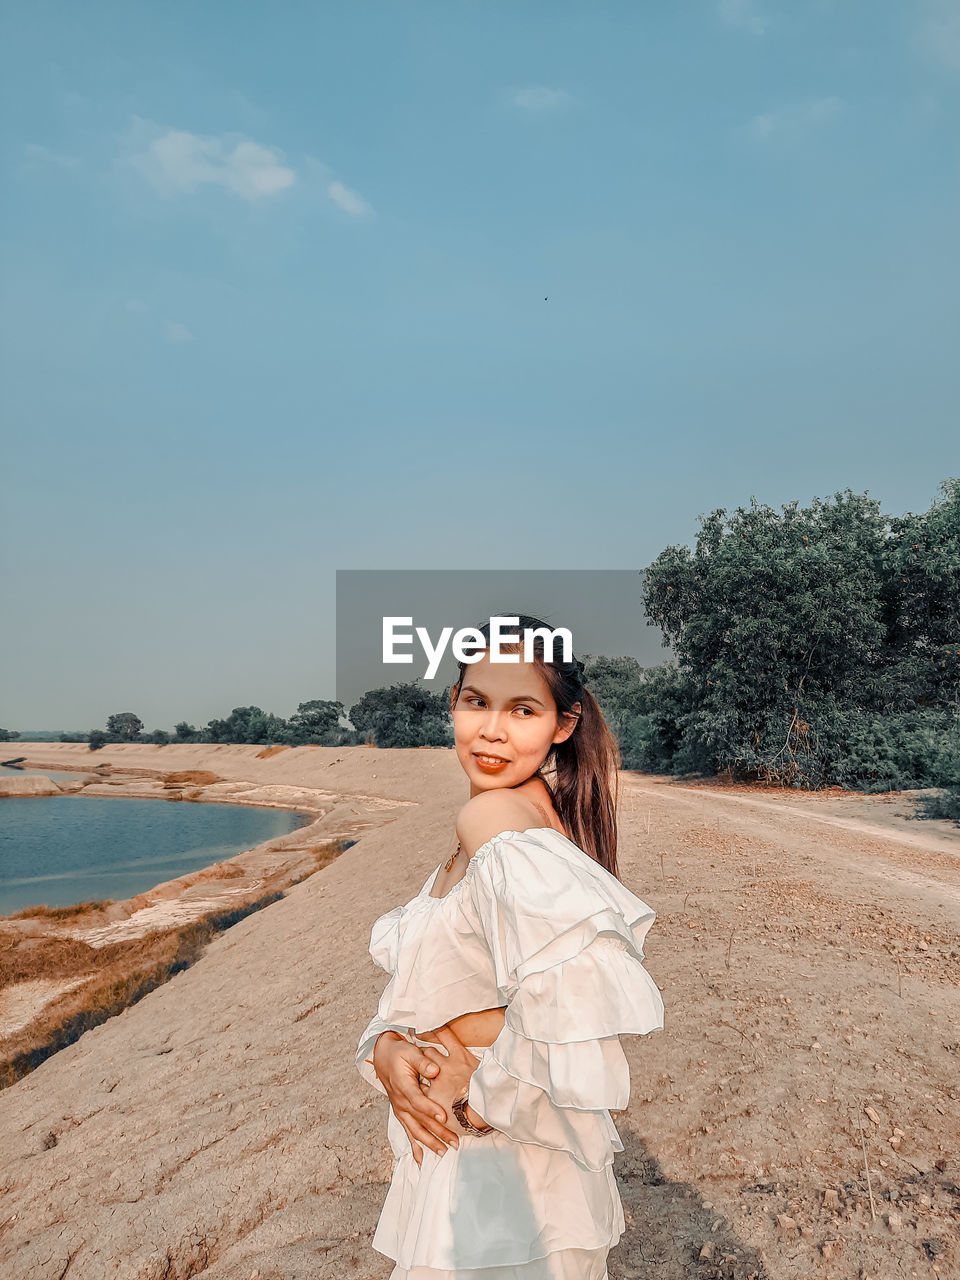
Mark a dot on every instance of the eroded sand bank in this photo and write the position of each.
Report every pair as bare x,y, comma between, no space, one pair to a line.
32,1007
809,970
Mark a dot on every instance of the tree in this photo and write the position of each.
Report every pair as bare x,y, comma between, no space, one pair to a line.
9,735
616,684
246,724
665,701
124,726
184,732
97,739
316,722
405,715
796,647
160,737
922,603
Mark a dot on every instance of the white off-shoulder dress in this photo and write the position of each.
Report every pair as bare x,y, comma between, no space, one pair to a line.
537,926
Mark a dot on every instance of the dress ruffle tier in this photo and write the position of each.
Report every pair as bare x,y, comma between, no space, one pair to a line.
538,927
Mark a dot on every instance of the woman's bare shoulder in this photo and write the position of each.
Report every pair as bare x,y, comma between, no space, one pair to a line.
492,812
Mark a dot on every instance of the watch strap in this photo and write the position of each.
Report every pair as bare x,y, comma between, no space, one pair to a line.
459,1110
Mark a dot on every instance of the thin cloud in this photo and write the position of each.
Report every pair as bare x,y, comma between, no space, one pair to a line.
349,201
743,14
177,161
794,121
538,97
176,332
38,154
938,35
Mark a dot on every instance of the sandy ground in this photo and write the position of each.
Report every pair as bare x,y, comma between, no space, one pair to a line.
797,1116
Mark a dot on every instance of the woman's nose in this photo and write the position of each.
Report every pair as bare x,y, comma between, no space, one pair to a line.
491,728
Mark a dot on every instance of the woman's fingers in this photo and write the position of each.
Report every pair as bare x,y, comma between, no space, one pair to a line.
457,1051
408,1097
449,1038
430,1062
428,1065
416,1098
435,1122
428,1118
416,1132
418,1062
448,1135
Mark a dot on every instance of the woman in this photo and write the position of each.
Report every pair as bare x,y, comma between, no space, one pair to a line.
514,971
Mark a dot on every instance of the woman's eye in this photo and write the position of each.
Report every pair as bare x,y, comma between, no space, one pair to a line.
529,710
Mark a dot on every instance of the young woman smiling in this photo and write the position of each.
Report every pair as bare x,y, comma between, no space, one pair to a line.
513,974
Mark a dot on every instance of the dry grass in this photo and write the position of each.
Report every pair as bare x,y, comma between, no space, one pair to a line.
58,913
323,856
224,871
118,974
191,777
271,751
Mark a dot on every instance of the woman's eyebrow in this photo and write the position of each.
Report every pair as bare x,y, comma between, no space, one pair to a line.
523,697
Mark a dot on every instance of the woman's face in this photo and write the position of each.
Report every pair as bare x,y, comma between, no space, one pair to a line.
506,712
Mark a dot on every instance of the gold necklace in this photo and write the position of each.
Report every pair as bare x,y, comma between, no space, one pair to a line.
453,857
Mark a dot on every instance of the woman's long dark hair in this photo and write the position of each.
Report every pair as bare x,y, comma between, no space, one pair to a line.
585,787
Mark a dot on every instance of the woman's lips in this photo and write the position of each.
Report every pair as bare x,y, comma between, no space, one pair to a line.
490,764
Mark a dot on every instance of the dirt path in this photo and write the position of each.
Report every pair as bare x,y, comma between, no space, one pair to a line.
888,817
923,858
810,966
810,971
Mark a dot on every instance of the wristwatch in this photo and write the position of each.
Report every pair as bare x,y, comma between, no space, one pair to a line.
458,1107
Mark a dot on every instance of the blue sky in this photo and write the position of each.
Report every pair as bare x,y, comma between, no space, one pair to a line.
273,304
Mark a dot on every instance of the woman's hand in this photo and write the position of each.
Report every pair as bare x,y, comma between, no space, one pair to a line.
454,1070
399,1066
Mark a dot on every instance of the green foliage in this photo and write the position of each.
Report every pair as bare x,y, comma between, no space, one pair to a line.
124,726
184,732
97,739
616,683
922,603
159,737
665,702
878,751
316,722
246,724
405,715
9,735
946,802
815,646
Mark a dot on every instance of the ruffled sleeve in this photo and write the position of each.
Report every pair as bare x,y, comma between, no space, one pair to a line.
386,936
566,939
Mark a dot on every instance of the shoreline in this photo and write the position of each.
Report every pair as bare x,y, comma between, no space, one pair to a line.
35,1005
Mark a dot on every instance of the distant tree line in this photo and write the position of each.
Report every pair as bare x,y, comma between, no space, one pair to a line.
812,646
405,715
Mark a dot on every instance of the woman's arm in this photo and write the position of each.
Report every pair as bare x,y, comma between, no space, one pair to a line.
394,1066
365,1048
478,1028
455,1068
